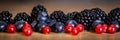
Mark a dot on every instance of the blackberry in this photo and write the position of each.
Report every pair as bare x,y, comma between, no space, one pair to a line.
6,16
39,10
85,17
59,16
71,16
100,15
114,15
22,16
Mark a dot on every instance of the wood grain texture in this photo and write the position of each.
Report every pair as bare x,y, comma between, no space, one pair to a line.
60,36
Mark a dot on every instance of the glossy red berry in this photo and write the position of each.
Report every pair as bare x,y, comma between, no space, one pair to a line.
46,30
80,27
27,29
75,31
105,26
11,28
99,29
112,29
68,28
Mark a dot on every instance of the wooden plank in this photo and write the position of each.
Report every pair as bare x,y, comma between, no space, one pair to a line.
60,36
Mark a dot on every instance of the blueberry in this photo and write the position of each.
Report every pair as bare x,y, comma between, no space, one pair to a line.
95,23
44,14
19,25
33,24
116,23
52,22
59,27
72,22
40,26
3,26
42,18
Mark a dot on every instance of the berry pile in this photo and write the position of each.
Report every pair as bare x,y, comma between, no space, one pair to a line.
40,19
114,18
93,19
5,19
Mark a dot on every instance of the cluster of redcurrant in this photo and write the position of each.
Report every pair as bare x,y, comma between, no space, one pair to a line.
73,23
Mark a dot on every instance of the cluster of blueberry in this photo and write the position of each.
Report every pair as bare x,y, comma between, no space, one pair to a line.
93,19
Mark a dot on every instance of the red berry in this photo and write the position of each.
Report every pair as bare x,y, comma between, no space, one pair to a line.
75,31
46,30
99,29
68,28
80,27
27,29
112,29
105,26
11,28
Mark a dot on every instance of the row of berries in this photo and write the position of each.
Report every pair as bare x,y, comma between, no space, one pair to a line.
94,19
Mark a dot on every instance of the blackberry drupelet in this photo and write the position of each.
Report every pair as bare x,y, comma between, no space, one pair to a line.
6,17
85,17
71,16
59,16
22,16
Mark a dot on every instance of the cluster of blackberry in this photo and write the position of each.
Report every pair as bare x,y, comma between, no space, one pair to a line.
87,17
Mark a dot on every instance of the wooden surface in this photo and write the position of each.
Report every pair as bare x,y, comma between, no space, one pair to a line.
60,36
66,7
